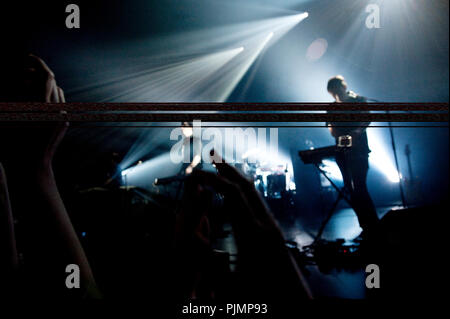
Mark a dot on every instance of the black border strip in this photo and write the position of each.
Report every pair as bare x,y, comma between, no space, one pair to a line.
199,107
226,117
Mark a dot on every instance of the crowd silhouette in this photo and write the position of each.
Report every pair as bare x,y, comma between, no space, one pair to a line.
162,254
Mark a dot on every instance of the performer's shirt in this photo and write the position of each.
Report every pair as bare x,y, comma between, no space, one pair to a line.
357,130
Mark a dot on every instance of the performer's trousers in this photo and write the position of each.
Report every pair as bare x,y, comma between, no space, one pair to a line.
354,169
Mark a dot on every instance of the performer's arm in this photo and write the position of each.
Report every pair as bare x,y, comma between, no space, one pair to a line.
10,260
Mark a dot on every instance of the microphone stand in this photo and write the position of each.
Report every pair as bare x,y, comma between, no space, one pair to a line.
394,149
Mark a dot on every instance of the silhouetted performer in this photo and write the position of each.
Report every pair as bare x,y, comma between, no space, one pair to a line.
191,150
354,163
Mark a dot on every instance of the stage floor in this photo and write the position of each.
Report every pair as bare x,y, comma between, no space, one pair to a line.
337,282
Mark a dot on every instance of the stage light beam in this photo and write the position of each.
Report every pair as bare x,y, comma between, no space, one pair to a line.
380,157
191,64
228,82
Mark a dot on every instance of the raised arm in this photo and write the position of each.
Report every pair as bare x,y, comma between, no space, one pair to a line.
52,238
266,266
9,258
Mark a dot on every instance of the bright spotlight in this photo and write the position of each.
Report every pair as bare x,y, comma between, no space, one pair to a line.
394,177
301,16
332,170
384,165
144,175
381,158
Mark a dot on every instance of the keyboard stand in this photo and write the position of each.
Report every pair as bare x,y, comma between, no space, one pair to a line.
341,195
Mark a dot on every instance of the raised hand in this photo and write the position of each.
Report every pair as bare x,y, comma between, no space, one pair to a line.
28,163
9,260
263,259
40,83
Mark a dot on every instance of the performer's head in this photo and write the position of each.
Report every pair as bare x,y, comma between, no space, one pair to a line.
337,87
186,129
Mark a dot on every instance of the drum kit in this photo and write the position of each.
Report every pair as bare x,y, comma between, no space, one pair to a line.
270,180
273,181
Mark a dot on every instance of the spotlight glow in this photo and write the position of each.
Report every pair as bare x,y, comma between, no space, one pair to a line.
179,81
195,66
332,170
143,175
236,72
381,158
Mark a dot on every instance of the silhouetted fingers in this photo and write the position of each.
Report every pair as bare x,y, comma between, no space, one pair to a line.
219,183
45,76
248,188
228,171
62,97
40,66
52,93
